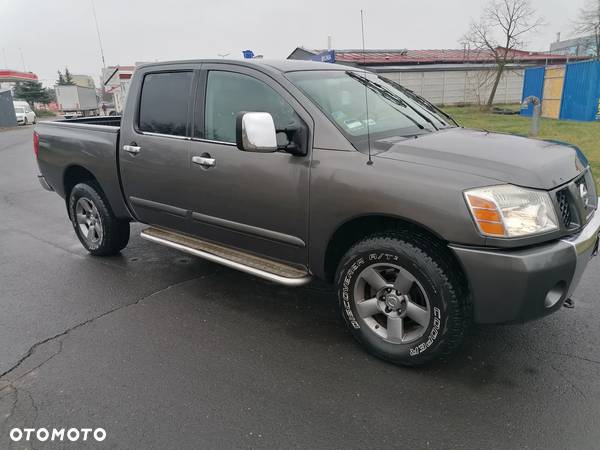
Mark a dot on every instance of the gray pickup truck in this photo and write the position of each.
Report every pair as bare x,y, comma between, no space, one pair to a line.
292,170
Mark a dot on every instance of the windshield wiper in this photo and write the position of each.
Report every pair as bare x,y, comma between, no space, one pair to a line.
424,102
374,87
391,96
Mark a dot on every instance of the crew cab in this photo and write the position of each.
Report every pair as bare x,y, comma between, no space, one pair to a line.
294,170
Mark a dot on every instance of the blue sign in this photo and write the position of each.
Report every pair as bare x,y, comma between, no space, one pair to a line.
328,57
248,54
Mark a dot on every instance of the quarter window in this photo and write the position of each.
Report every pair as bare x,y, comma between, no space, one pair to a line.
228,93
164,103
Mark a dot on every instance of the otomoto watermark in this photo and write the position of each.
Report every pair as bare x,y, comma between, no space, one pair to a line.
57,434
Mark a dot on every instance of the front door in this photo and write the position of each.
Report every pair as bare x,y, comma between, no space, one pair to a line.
154,154
256,202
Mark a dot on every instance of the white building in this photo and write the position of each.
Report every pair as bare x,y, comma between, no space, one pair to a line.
116,83
445,76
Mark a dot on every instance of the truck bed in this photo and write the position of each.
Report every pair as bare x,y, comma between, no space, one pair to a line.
89,144
110,121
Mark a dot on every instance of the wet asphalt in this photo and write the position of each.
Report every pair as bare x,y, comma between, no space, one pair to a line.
163,350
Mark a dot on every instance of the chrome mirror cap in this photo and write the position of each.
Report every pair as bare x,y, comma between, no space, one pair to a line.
255,132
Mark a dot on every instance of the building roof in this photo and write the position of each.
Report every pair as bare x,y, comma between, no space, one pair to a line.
433,56
441,67
15,75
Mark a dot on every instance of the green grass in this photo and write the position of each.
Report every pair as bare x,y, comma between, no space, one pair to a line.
44,113
586,135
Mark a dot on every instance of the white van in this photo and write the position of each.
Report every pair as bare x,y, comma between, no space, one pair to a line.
24,113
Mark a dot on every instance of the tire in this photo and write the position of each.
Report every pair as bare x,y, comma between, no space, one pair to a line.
98,230
416,306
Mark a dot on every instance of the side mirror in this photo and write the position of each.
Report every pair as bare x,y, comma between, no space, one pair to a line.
255,132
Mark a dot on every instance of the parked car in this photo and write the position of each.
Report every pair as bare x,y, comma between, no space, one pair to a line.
280,170
24,116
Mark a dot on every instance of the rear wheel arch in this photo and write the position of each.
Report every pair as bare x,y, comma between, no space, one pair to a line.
76,174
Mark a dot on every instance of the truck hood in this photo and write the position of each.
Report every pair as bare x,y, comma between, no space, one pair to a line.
506,158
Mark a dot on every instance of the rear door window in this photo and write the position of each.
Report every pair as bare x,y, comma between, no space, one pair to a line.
164,103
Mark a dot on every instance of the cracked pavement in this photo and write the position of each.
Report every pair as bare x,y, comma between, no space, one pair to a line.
168,351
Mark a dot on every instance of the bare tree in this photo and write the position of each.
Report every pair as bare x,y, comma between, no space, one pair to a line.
588,24
500,31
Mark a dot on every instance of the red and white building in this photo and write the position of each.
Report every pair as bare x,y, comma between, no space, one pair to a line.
8,78
115,80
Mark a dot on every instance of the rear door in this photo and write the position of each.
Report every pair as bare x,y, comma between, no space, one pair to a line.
155,145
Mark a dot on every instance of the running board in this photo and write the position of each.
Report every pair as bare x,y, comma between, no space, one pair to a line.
245,262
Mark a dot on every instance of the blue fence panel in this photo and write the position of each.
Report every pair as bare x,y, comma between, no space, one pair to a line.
581,92
533,84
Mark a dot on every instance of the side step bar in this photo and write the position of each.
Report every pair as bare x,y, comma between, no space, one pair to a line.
236,259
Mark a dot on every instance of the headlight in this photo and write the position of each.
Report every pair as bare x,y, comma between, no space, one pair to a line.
511,211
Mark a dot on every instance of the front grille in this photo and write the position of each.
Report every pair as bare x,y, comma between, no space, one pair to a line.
565,209
577,201
585,199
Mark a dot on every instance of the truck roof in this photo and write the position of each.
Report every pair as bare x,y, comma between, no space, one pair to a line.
279,65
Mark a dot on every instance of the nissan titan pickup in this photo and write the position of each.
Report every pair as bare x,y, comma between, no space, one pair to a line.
295,170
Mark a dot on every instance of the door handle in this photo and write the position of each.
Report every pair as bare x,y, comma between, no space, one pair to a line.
132,149
204,161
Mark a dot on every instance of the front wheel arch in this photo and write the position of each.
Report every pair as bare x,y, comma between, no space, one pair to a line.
358,228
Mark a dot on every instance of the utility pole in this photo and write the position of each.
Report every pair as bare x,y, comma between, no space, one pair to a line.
98,32
22,59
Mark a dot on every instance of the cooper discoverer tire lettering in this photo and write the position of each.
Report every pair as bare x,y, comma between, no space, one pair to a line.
402,298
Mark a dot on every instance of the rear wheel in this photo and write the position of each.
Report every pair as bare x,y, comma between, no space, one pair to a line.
100,232
401,299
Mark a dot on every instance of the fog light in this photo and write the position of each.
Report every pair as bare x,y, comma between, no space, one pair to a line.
555,294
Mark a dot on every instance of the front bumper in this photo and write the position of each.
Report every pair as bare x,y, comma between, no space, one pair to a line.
520,285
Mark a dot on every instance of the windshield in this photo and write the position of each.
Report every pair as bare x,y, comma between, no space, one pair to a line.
366,106
19,110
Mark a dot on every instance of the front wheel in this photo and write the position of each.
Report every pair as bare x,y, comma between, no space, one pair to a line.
401,299
99,231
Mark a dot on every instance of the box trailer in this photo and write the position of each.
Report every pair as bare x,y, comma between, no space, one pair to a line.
76,101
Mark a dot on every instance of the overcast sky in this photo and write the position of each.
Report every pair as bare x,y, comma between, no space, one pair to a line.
58,33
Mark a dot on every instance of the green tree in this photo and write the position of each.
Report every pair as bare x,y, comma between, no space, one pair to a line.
51,93
66,79
31,91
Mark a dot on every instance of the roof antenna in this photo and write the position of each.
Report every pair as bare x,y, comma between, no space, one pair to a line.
362,27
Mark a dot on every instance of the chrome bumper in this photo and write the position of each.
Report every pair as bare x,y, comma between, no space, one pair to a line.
44,183
585,245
